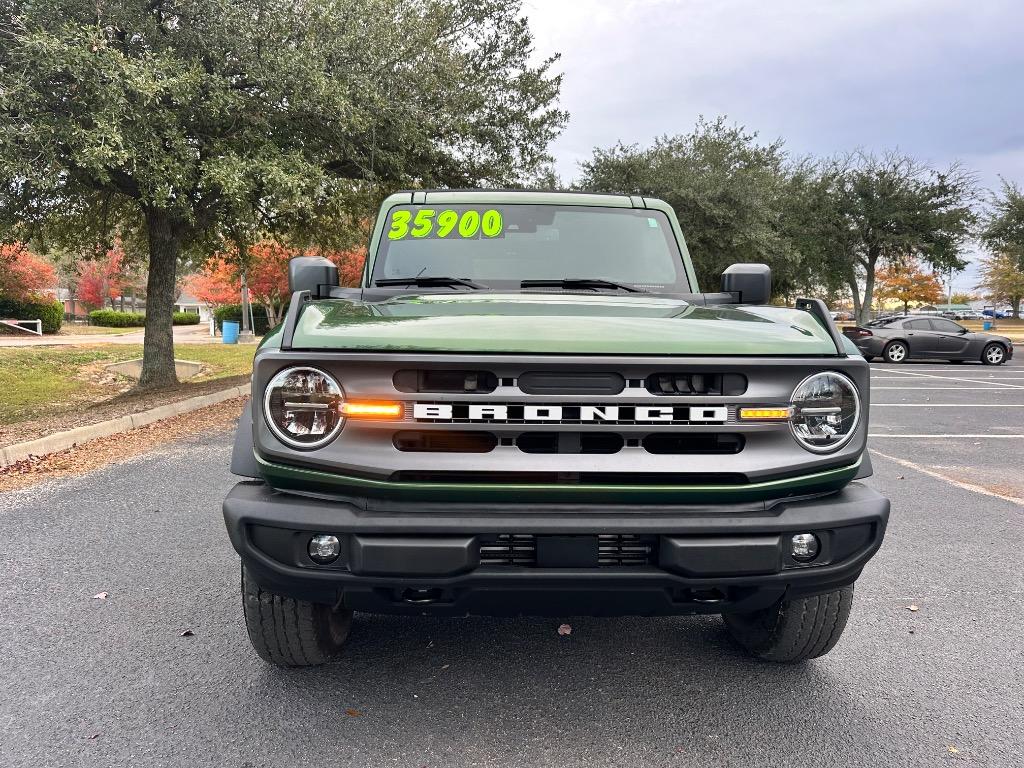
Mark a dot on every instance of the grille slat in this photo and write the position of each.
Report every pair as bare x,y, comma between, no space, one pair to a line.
613,549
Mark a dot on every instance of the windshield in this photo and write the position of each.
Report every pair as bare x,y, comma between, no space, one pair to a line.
500,246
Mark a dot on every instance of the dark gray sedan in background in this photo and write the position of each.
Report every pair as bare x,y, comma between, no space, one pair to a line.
902,338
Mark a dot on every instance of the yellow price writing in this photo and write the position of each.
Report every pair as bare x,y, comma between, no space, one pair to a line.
428,222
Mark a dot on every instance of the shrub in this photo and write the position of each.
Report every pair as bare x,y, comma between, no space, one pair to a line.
186,318
114,319
39,308
233,312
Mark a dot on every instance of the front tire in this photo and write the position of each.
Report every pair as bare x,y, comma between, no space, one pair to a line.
292,633
993,354
895,352
793,630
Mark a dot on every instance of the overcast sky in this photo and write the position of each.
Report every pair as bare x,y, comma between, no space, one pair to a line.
938,79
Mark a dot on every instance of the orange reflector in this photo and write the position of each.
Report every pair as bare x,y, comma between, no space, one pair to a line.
764,413
372,410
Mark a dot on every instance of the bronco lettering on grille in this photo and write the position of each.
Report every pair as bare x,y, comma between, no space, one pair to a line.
607,414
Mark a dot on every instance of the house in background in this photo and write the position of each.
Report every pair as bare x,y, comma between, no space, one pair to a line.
186,302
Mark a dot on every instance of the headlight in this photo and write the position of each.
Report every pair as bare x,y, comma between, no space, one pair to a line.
303,407
826,410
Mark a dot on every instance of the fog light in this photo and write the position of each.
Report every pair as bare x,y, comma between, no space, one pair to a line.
324,549
804,547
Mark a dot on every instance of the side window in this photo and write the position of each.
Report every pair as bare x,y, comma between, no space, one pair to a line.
917,325
945,326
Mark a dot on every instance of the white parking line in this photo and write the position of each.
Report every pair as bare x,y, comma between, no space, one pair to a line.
939,476
945,437
949,405
943,389
954,378
986,378
1011,370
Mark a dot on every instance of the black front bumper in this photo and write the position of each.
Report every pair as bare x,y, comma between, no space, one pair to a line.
703,559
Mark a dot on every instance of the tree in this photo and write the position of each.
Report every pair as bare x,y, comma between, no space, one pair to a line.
182,123
99,280
907,283
215,284
219,281
886,210
1002,230
726,188
23,274
963,298
1003,280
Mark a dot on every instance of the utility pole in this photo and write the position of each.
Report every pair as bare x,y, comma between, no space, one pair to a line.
246,334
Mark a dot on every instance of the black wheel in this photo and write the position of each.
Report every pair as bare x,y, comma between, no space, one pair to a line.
289,632
993,354
793,630
895,352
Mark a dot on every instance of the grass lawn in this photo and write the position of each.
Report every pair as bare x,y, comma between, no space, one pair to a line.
92,330
47,381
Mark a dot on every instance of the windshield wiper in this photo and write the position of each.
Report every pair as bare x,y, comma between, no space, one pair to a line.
578,282
427,280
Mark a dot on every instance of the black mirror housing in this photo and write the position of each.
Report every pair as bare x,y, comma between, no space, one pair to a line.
314,274
752,283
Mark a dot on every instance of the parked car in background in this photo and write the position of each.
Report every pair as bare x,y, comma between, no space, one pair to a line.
902,338
842,315
968,315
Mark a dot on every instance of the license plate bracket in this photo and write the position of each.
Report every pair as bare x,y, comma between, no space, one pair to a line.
567,551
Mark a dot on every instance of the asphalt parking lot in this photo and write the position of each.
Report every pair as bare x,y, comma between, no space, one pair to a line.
88,682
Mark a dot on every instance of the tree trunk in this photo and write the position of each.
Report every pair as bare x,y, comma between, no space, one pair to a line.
165,236
869,291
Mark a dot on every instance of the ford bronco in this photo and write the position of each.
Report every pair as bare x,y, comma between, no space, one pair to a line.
529,407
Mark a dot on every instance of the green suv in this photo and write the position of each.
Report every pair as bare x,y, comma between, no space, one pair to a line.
529,407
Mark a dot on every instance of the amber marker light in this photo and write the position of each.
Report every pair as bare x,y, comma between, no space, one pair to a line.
371,410
765,414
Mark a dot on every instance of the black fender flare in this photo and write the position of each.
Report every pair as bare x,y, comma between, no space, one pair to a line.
243,460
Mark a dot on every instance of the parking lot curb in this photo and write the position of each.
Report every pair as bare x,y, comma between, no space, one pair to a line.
63,440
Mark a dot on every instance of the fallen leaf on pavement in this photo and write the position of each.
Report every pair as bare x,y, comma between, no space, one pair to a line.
187,633
564,629
100,596
353,713
92,736
953,750
900,477
913,608
446,666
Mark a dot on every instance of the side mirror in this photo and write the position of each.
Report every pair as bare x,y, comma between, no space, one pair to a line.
751,282
312,273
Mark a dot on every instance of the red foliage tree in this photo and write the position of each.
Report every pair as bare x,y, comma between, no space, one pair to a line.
350,265
99,280
216,284
219,281
23,274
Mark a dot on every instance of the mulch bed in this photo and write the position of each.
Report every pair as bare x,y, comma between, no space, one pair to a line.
122,404
116,448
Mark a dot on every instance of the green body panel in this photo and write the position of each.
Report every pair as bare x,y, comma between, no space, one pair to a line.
558,323
295,478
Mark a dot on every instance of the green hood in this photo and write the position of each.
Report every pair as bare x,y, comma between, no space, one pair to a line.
558,324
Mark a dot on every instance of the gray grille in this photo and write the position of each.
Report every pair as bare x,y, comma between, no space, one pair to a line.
520,549
510,549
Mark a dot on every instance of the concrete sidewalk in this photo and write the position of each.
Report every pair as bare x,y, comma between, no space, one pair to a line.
183,334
